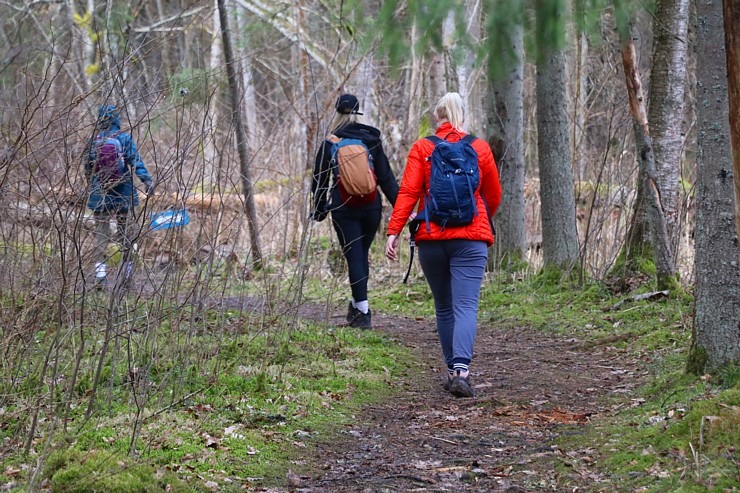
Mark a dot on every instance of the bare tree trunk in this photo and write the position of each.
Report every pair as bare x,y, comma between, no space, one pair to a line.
667,102
209,172
664,265
365,75
436,83
580,104
241,137
250,99
363,78
506,136
77,40
165,40
559,234
415,93
732,37
716,332
466,74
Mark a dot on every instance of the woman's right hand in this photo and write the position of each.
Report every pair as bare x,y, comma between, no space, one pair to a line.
391,247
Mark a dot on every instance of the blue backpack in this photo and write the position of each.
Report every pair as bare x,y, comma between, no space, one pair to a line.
108,161
454,178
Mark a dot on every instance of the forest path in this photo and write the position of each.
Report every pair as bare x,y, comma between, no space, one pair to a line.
530,386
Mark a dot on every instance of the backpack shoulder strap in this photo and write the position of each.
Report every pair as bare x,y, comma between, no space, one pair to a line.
433,139
469,138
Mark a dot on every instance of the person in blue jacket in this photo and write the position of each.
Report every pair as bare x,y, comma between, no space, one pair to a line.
356,226
118,201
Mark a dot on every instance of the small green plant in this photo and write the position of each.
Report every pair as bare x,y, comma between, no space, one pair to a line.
74,471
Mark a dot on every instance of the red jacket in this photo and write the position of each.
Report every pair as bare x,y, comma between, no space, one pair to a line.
415,183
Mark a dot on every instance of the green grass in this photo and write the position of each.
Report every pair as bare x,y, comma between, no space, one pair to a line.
212,410
222,398
681,437
678,432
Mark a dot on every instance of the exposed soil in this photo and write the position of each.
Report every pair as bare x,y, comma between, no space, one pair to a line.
531,388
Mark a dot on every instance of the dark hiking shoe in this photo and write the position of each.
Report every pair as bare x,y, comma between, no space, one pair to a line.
446,384
352,313
461,387
362,321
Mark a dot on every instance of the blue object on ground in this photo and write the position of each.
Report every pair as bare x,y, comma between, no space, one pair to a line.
170,219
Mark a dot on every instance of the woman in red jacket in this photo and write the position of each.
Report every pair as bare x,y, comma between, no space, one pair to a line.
453,258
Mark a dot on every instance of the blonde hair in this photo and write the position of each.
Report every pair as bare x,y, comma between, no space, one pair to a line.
450,107
343,119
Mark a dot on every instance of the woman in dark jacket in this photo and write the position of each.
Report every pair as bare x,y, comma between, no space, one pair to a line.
356,225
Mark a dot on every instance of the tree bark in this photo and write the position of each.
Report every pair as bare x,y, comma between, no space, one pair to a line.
667,102
466,73
413,97
559,234
241,136
716,332
506,136
664,264
732,37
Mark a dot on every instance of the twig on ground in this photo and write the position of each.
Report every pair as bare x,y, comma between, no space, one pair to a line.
654,295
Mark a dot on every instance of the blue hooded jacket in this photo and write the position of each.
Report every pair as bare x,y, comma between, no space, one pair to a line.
123,196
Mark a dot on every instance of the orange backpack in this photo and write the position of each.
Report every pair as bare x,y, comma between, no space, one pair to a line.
353,168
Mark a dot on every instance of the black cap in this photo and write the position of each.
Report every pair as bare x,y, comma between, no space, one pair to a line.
347,104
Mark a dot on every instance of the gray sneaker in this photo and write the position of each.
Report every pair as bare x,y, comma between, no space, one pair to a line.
461,387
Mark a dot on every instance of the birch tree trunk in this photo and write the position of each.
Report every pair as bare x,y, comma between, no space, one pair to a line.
716,331
506,136
250,99
442,76
467,76
78,39
365,73
559,234
363,78
305,131
241,137
413,99
210,174
664,264
667,102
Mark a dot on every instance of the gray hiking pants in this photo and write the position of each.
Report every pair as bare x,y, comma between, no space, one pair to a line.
103,234
454,270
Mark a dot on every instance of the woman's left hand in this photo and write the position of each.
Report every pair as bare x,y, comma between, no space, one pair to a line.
391,247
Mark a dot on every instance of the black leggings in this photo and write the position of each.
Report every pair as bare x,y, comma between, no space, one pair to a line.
356,229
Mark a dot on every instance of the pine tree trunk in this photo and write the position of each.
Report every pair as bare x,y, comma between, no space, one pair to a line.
732,35
559,234
716,332
506,136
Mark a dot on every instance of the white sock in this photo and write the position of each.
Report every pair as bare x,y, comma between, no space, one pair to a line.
101,270
363,306
461,369
352,300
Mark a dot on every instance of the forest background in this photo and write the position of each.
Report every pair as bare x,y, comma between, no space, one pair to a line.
610,124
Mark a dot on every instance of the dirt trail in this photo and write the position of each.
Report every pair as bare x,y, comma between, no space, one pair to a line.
531,387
